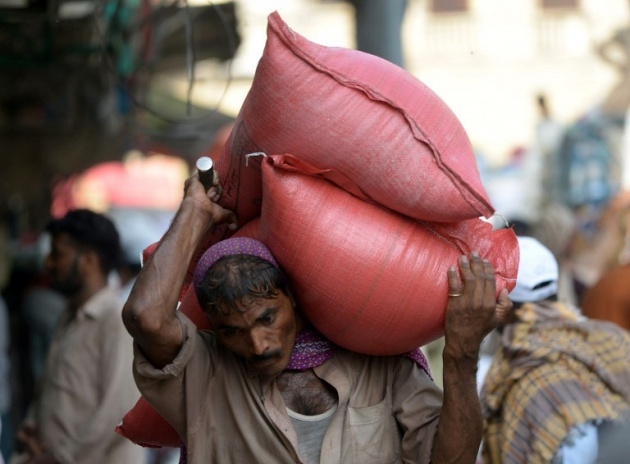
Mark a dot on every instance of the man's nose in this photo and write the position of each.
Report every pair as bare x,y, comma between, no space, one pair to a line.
258,342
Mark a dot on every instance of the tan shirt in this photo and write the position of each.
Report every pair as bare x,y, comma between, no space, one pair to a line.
388,408
88,386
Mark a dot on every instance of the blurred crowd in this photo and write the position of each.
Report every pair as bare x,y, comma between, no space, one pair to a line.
32,307
566,191
582,218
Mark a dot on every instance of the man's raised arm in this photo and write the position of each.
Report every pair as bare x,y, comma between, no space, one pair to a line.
149,313
472,313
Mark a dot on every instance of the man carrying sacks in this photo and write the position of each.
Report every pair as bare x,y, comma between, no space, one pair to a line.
265,387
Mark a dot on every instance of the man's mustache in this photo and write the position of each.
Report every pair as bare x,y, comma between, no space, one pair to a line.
265,356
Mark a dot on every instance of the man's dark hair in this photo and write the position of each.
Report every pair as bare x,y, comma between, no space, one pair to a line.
234,282
93,231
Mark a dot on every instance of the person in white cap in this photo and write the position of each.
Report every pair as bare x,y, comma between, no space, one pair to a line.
556,378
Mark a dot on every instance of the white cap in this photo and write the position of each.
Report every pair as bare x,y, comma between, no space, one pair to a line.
537,277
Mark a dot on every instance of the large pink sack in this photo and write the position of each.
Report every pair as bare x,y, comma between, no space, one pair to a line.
371,280
366,118
372,130
396,141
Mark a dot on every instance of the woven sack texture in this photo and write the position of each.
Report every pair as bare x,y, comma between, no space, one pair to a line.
371,280
367,118
349,261
397,143
381,151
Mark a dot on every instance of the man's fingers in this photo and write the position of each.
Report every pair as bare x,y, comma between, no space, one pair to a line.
214,194
477,276
476,265
454,287
504,306
489,284
224,216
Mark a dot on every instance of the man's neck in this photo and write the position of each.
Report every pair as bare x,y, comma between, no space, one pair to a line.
85,294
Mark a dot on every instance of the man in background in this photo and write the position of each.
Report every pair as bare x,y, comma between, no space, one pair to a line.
559,383
87,384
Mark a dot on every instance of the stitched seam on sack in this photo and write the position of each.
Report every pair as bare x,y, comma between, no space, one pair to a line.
428,228
375,96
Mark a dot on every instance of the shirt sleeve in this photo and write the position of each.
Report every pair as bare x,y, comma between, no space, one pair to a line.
417,403
165,388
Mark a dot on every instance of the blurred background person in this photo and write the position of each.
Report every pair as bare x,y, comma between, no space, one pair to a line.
609,298
602,245
42,307
556,376
556,230
86,387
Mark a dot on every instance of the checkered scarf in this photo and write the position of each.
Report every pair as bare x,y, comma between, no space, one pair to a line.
552,372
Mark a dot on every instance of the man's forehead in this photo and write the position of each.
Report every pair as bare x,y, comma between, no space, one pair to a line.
229,316
252,306
64,240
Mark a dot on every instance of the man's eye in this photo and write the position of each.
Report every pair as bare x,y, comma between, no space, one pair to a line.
230,332
268,320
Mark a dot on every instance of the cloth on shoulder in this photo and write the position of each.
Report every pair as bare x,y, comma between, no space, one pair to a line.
312,349
553,371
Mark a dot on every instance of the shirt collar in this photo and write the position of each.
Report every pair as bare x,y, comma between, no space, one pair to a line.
95,306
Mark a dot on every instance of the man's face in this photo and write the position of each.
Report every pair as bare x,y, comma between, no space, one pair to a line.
263,335
62,264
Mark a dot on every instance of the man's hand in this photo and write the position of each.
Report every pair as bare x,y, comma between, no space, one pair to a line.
27,440
195,191
473,310
149,313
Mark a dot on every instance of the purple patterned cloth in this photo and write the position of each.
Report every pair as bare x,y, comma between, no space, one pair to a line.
228,247
311,349
418,357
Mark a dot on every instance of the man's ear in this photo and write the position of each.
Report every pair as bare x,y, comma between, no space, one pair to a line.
90,261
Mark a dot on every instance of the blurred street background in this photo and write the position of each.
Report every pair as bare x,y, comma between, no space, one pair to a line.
106,104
